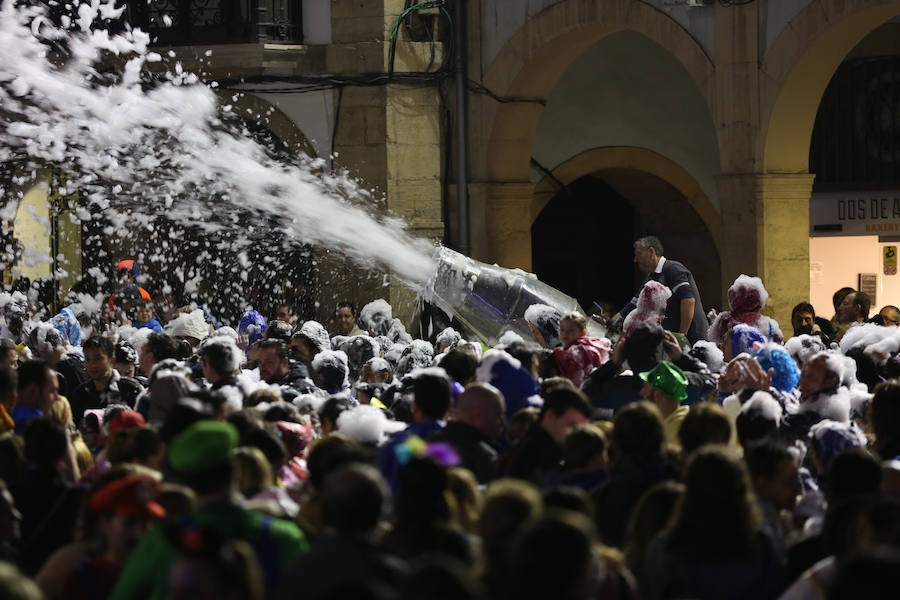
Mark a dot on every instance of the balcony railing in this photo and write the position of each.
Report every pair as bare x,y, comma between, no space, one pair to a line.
188,22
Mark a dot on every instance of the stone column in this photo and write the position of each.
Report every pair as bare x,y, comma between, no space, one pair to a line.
765,232
782,225
388,135
508,218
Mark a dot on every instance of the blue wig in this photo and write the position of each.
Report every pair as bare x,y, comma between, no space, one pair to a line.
786,374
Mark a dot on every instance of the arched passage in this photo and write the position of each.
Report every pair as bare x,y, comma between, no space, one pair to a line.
620,194
797,69
531,65
271,119
532,62
793,77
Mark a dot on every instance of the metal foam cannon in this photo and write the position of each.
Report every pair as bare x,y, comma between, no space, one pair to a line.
486,300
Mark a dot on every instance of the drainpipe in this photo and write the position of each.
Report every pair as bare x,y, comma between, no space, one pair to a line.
462,80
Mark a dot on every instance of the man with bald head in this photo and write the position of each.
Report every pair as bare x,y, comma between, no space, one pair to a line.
479,418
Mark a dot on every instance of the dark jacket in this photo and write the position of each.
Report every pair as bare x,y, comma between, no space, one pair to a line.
679,279
336,563
475,451
673,570
387,452
49,508
71,367
629,478
534,457
608,391
297,381
120,390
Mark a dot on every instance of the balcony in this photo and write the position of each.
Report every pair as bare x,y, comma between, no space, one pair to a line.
196,22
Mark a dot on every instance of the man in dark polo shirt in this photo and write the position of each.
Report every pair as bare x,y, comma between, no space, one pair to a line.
684,310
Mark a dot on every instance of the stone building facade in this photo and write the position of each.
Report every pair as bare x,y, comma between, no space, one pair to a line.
696,119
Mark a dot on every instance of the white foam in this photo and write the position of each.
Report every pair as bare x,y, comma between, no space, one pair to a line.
140,154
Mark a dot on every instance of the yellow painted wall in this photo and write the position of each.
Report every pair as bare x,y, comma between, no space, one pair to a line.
32,228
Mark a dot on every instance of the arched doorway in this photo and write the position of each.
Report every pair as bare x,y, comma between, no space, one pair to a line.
627,193
566,254
795,73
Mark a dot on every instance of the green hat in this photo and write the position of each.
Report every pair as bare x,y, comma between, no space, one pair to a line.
668,379
204,444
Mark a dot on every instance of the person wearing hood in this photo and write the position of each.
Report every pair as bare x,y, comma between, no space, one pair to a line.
579,354
746,298
66,323
515,382
127,274
251,329
309,340
14,308
188,329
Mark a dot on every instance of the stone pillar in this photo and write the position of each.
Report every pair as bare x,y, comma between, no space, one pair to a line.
782,225
508,218
389,136
765,232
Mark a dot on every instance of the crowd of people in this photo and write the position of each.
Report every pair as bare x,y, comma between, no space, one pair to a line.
690,455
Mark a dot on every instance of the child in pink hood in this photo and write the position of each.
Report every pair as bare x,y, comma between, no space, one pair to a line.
746,298
579,353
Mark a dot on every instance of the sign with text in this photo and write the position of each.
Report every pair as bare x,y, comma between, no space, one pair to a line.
868,283
854,213
890,260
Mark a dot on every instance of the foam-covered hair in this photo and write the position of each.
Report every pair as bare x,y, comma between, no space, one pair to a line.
786,373
765,404
747,294
834,437
448,338
367,424
417,355
509,336
709,354
315,335
804,347
376,316
546,319
865,334
329,364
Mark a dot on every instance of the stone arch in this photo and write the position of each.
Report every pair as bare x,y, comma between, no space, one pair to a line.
270,117
797,68
532,61
638,159
662,198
